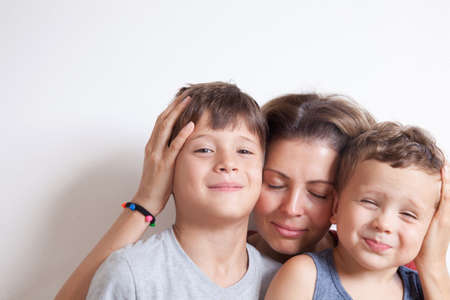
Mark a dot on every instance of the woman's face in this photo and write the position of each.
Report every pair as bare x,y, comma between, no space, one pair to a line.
294,209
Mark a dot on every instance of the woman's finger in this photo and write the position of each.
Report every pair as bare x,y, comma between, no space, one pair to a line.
164,125
178,142
173,104
444,203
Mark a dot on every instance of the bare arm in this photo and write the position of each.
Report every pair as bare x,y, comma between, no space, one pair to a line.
295,280
153,192
430,262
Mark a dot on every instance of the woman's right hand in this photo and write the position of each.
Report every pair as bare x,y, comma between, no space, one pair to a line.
157,175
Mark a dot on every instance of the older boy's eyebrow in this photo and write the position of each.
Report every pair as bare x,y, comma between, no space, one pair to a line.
249,139
198,136
210,135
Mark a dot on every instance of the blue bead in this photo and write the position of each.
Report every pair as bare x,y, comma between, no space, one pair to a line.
132,206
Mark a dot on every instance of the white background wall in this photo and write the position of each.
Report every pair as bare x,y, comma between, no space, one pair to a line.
81,84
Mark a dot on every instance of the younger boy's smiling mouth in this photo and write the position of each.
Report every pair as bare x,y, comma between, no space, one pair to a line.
376,246
226,186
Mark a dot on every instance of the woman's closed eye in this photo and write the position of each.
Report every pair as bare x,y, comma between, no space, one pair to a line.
318,195
275,186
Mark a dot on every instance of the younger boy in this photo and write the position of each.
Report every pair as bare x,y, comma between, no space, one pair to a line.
217,180
388,188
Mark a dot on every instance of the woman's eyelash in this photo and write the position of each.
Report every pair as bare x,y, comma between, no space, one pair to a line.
318,195
276,187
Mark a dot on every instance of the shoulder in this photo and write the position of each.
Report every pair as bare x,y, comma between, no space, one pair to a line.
411,283
262,261
142,248
122,273
113,279
297,274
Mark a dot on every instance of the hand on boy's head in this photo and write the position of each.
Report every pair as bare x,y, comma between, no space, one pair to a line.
434,247
156,181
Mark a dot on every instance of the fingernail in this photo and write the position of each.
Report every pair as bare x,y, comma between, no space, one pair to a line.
187,98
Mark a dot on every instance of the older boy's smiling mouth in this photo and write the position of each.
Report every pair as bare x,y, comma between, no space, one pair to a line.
226,186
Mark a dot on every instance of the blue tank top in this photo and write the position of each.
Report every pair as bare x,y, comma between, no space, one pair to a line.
328,285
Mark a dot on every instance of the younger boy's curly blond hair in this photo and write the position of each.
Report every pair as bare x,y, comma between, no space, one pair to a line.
398,145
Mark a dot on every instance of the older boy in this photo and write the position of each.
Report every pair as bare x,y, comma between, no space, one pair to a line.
217,181
388,189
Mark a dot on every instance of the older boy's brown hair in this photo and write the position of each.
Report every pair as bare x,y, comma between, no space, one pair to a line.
399,146
226,105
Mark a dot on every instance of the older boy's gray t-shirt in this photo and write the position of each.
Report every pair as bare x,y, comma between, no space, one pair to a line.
158,268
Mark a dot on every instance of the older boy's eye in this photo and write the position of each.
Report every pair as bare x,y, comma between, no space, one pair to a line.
203,150
244,151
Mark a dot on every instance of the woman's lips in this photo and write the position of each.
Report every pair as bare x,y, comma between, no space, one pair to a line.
375,246
287,231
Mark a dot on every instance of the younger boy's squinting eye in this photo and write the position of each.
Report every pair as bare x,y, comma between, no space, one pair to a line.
368,203
409,215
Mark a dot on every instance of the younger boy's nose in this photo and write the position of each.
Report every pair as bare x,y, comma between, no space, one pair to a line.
382,223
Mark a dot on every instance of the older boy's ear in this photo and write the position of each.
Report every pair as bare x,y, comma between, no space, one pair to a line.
334,208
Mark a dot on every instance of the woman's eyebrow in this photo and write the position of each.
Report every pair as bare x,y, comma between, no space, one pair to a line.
278,172
321,181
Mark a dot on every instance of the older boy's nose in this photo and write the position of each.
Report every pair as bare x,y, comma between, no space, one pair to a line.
226,164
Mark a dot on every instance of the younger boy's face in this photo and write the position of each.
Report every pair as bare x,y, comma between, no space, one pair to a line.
218,173
383,214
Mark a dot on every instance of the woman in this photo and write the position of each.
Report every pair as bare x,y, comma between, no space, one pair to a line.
292,215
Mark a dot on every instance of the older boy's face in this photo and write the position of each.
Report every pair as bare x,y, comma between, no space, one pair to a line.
218,174
383,214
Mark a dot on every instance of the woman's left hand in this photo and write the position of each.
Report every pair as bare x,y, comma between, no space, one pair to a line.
434,247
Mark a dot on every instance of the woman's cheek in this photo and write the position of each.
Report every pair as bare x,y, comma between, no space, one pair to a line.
320,213
265,204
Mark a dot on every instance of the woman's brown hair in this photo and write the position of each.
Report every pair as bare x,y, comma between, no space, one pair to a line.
333,119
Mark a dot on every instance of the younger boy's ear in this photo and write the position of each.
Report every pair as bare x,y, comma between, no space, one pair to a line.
334,208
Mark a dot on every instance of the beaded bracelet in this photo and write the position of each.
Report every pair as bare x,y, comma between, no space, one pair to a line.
148,216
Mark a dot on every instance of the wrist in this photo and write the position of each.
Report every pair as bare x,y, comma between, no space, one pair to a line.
152,204
434,269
